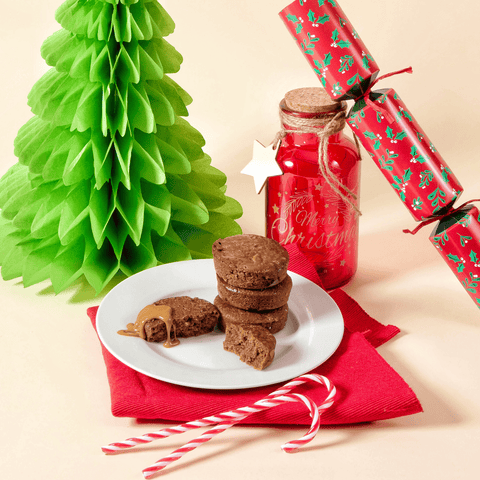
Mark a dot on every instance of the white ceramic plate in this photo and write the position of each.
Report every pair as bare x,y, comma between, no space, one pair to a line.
313,332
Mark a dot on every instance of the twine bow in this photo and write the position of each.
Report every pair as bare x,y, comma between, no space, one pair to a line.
328,124
323,127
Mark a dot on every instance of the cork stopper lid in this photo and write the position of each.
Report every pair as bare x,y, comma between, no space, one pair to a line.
312,100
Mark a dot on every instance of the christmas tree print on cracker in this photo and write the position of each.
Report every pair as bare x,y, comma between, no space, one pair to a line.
110,178
331,46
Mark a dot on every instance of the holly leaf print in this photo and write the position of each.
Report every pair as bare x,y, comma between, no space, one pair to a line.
458,260
377,145
403,113
319,65
322,65
299,28
344,44
389,132
366,60
420,158
311,16
370,135
417,203
292,18
445,173
340,43
473,257
331,2
336,89
324,19
454,258
401,135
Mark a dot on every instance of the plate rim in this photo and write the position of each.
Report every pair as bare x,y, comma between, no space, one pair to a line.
200,385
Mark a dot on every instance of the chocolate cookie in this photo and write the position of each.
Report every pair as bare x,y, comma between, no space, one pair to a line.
272,320
250,261
191,317
248,299
253,344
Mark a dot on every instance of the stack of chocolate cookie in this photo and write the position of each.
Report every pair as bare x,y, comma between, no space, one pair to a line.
252,282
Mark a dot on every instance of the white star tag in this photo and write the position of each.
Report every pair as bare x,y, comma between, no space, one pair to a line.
262,165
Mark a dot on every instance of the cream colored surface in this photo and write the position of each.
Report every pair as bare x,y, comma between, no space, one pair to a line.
239,61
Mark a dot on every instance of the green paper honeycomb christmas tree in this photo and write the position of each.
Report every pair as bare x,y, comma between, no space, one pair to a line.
110,178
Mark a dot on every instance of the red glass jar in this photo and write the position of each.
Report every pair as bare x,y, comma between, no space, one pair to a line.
302,207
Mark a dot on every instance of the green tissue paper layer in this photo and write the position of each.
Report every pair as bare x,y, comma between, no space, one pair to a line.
110,178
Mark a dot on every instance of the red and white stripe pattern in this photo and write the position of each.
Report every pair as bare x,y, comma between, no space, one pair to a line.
232,415
262,405
228,419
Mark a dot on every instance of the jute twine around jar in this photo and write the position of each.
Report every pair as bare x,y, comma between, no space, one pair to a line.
324,125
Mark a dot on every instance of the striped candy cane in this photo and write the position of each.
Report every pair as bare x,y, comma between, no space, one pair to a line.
231,416
268,402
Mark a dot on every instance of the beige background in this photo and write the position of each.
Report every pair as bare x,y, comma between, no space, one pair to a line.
239,60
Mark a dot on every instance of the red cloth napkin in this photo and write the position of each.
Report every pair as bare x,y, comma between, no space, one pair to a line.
368,388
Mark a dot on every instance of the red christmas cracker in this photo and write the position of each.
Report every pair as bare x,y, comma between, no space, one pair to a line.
389,132
405,155
457,239
383,124
228,419
332,47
